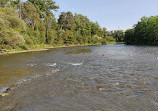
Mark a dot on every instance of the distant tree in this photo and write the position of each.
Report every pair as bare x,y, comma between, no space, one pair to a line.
145,32
105,32
118,35
96,30
129,37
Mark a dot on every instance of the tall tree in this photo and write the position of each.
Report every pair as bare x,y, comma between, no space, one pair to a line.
83,26
66,21
18,5
45,8
29,14
145,32
105,32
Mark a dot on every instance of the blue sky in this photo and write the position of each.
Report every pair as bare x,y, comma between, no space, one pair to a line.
111,14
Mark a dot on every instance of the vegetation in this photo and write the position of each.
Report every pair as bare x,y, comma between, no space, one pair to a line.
118,35
32,23
145,32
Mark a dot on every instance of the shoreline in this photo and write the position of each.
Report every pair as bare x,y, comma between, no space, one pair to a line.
49,47
43,49
30,50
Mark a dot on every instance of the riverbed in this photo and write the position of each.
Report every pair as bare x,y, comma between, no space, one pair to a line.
90,78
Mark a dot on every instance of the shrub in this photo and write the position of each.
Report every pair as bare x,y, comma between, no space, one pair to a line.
24,47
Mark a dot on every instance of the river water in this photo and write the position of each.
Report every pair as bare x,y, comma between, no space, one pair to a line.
92,78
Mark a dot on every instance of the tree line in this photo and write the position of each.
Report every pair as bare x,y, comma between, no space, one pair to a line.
28,24
145,32
118,35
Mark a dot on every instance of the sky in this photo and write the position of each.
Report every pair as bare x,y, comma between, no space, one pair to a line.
112,14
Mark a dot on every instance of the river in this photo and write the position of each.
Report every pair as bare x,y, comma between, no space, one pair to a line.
91,78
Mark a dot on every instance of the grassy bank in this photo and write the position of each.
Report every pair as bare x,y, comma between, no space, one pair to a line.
42,47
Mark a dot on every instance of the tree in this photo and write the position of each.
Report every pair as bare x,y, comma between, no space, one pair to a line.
129,36
118,35
69,37
18,5
11,28
83,26
145,32
3,3
105,33
30,15
44,8
96,30
31,23
66,21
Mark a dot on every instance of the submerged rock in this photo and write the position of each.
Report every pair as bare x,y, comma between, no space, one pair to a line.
4,94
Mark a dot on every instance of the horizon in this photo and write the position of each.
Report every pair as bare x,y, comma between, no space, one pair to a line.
112,14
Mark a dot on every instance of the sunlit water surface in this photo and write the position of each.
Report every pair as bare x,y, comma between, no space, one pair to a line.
92,78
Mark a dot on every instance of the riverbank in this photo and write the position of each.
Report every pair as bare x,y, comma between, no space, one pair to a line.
35,50
14,52
44,48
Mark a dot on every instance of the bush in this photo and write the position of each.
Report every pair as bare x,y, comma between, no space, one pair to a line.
28,40
24,47
103,41
110,39
10,26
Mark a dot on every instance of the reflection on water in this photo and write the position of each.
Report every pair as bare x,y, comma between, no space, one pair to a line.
105,78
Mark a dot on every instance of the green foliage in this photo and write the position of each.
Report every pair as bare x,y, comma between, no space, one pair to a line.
103,42
66,21
32,24
129,37
4,3
96,30
105,32
68,37
23,47
118,35
83,25
29,14
110,39
28,40
81,29
11,38
145,32
10,28
44,8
